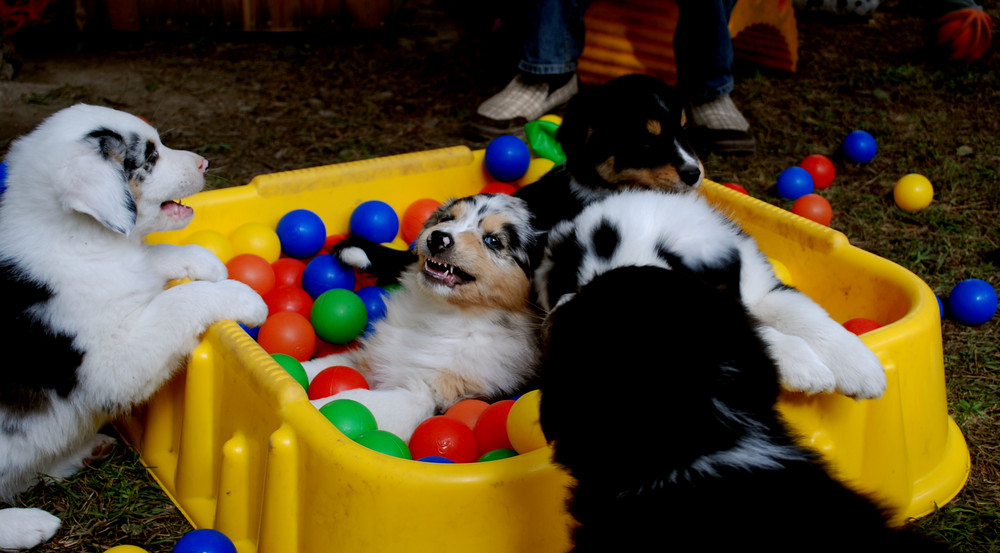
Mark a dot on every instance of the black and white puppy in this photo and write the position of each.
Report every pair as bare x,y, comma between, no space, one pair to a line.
627,133
814,353
701,459
84,296
460,326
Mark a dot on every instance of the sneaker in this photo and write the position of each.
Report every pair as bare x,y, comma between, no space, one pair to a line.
718,126
525,98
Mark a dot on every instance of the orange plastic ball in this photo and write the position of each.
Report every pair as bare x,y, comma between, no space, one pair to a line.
288,332
498,188
813,207
288,272
737,187
252,270
415,216
467,411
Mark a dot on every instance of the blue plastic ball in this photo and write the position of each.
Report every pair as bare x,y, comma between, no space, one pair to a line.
435,459
972,301
324,273
375,220
794,182
301,233
507,158
204,540
859,147
374,298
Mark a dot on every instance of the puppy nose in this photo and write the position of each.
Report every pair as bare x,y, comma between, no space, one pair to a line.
439,241
203,166
689,175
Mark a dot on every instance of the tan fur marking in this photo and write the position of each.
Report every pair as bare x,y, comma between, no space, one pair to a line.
660,178
654,127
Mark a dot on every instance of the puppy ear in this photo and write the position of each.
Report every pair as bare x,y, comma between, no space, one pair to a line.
95,183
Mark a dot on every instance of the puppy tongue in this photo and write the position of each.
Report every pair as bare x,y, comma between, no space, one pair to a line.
175,209
445,274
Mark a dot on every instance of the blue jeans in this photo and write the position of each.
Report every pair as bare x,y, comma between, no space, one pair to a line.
702,45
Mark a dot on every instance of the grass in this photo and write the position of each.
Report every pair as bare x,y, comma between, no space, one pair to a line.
931,117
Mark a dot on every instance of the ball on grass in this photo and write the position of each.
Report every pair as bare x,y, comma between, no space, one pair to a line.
813,207
794,182
972,302
913,192
821,169
859,147
204,540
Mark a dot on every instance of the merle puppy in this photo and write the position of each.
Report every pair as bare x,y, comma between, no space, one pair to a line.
700,456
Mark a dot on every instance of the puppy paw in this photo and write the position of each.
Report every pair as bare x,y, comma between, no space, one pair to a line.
242,302
799,368
858,371
354,257
101,448
202,264
26,528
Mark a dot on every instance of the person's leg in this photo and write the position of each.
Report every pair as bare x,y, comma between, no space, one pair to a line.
704,57
546,76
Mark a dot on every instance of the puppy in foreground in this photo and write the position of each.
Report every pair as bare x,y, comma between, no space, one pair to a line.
702,459
460,326
85,296
814,353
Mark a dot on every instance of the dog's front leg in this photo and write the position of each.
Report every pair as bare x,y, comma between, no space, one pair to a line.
857,372
191,261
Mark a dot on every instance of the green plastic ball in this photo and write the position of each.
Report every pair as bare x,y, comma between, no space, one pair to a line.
338,316
385,442
350,417
293,367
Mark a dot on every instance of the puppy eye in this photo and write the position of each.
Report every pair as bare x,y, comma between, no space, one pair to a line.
492,242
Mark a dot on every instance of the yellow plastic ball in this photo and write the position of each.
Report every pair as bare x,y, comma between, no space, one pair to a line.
126,549
258,239
536,168
213,241
552,118
780,271
523,427
913,192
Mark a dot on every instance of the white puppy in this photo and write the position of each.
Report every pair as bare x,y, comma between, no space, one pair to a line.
813,352
460,326
85,297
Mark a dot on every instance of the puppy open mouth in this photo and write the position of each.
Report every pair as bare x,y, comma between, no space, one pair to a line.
446,274
175,210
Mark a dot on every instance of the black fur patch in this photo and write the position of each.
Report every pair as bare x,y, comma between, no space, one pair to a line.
53,360
566,257
606,239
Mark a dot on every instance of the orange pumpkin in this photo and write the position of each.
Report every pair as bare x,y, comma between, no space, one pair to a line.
967,32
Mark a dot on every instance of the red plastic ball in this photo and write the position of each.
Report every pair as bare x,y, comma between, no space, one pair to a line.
491,428
288,332
288,271
288,298
736,187
467,411
444,437
324,349
821,169
415,216
861,325
813,207
497,187
336,379
252,270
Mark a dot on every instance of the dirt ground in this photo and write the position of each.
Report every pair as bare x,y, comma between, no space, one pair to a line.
262,103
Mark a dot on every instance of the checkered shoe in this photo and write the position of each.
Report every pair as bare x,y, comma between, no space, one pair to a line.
718,126
524,99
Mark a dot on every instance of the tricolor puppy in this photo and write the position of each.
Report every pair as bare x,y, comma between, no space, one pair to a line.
84,297
814,353
625,134
460,326
701,454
